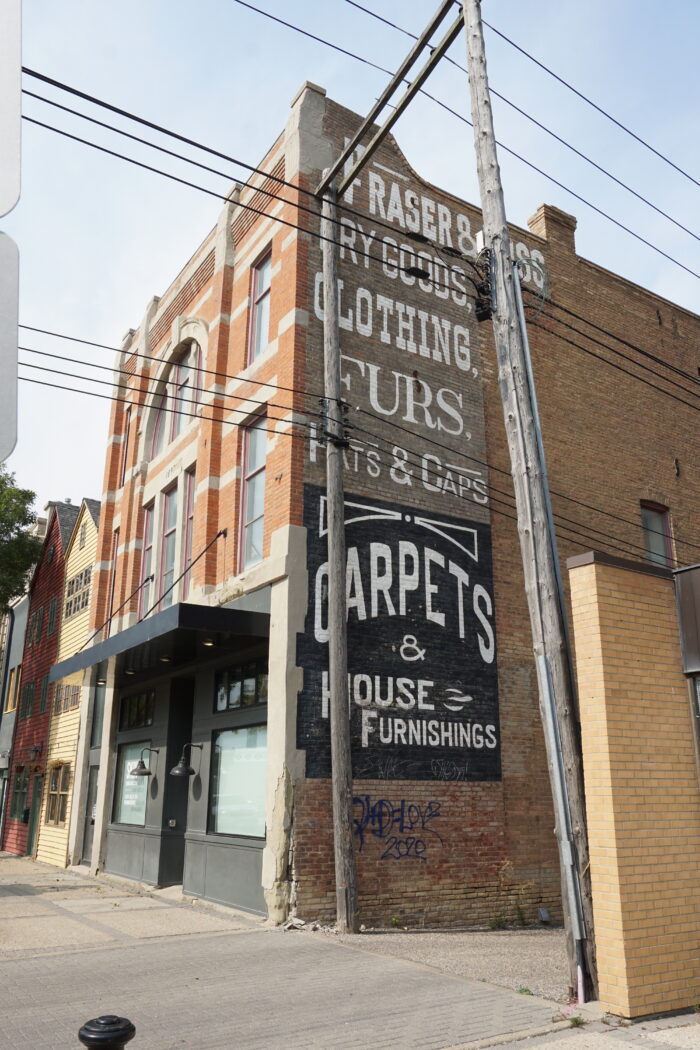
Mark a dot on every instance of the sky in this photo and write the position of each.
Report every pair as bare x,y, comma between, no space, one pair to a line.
99,237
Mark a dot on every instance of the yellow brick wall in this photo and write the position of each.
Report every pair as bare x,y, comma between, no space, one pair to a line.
642,789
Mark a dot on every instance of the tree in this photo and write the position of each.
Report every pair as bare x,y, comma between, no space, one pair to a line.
19,550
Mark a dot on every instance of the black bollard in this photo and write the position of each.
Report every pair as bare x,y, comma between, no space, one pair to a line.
107,1033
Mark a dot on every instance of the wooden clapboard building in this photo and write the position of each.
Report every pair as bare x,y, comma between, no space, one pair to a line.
66,709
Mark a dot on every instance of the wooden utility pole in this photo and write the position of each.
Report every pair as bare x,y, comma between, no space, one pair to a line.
557,704
339,710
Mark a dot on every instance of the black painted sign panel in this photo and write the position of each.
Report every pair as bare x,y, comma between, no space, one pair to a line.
421,644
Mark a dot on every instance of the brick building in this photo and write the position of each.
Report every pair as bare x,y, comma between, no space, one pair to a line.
33,710
211,580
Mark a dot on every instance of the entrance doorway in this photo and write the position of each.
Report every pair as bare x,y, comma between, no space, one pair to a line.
34,812
90,810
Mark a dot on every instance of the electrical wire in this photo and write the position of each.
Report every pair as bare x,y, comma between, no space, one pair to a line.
626,342
340,205
539,124
591,103
433,442
507,149
248,207
612,364
413,459
492,509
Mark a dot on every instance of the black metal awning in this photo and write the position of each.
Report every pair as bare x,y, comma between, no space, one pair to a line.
171,637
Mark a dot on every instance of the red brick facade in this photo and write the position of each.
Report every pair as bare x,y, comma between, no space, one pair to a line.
446,833
34,709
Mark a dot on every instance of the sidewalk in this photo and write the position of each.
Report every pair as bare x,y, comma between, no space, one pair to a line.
190,976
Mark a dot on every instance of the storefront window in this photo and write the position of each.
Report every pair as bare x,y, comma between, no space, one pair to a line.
242,685
137,711
237,797
131,792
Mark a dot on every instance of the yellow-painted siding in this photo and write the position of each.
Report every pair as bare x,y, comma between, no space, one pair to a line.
65,712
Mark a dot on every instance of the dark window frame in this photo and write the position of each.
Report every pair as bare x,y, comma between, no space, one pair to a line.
667,560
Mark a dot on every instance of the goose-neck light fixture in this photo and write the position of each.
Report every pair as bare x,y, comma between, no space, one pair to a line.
141,769
182,769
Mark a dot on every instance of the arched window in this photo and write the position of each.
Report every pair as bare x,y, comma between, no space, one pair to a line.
176,403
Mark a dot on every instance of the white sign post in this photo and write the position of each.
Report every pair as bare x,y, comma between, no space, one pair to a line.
9,310
10,122
10,102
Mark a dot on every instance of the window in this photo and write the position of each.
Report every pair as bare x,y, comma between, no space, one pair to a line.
34,629
158,439
656,523
237,795
44,696
57,697
137,711
253,499
27,700
242,685
125,454
12,688
77,593
146,561
131,792
174,410
19,794
189,524
51,627
112,581
168,538
260,311
82,536
57,802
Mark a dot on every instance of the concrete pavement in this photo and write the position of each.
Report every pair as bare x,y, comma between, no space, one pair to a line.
72,948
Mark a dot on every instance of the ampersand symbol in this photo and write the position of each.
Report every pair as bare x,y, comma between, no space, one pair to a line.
410,645
399,471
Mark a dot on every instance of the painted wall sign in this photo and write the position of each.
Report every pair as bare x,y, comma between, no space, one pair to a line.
421,644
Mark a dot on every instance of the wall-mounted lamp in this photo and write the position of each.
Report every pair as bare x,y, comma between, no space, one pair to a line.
129,670
209,642
141,769
101,680
165,659
182,769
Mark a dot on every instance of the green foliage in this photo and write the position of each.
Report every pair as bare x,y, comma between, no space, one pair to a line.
576,1021
394,920
524,991
18,550
498,922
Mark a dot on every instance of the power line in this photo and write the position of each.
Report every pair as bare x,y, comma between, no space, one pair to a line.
433,442
413,459
507,149
612,364
539,124
626,342
179,399
306,437
411,271
205,149
594,105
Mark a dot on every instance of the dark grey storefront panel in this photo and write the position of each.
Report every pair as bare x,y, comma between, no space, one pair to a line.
218,870
133,853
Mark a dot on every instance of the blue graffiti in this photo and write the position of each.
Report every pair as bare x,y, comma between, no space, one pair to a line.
404,828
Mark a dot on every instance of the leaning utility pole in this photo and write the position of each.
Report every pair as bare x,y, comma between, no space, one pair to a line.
545,602
339,709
